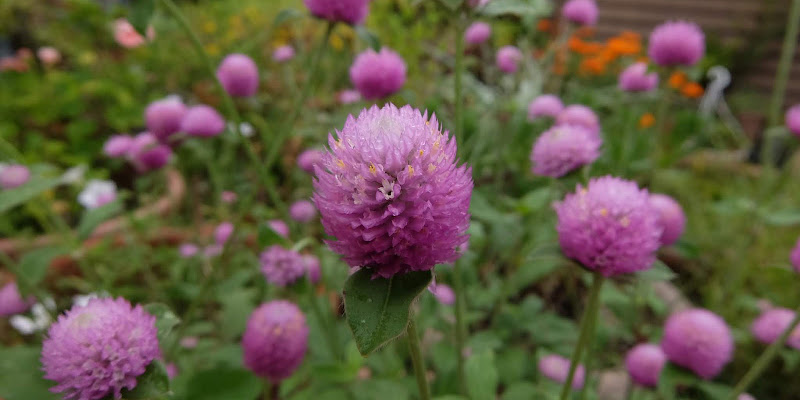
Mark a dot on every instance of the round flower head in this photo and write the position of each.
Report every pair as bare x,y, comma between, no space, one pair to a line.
546,105
279,227
313,271
163,117
283,54
154,158
676,43
635,78
309,158
745,396
12,176
577,114
97,350
350,12
508,59
302,211
223,232
126,35
477,33
562,149
348,96
581,12
202,121
644,363
443,293
699,340
794,257
556,368
609,226
228,197
275,340
188,250
97,193
48,55
391,192
378,75
670,217
771,324
11,302
282,267
792,119
117,145
238,75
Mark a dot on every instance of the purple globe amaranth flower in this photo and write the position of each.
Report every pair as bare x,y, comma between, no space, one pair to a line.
676,43
11,301
581,12
203,121
699,340
312,265
644,363
302,211
275,340
477,33
117,145
609,226
670,216
309,158
13,176
794,257
238,74
578,114
163,117
283,54
188,250
564,148
508,59
443,293
771,324
282,267
223,232
279,227
546,105
99,349
391,192
635,78
378,75
556,368
153,158
792,119
351,12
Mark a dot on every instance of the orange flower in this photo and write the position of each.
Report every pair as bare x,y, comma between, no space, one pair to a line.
624,47
647,120
585,31
692,90
544,25
677,80
595,65
579,46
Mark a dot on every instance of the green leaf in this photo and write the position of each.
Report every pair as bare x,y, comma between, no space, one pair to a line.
96,216
659,272
782,217
520,391
367,36
519,8
377,310
152,385
33,266
267,236
452,5
284,16
223,383
141,13
673,376
21,377
715,390
34,187
165,319
481,376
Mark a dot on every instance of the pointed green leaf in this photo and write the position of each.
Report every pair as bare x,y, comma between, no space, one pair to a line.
152,385
377,309
165,319
141,13
267,236
659,272
96,216
370,38
223,383
519,8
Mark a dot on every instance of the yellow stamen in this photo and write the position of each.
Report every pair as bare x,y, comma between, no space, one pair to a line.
410,170
340,163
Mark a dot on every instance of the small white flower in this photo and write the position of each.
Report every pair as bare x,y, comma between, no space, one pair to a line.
40,318
82,300
74,174
245,129
97,193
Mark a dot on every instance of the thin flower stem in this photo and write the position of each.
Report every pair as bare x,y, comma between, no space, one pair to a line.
461,329
416,359
764,359
328,331
661,136
585,335
592,329
458,75
785,64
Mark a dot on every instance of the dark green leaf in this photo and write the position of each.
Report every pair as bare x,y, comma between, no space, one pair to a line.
141,13
96,216
34,187
519,8
715,390
267,236
21,377
223,383
33,266
165,319
481,376
368,37
377,309
152,385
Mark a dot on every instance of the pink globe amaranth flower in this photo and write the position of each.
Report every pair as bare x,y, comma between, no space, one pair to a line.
126,36
578,114
378,75
564,148
635,78
163,117
228,197
223,232
279,227
154,158
508,59
172,370
794,257
283,54
609,226
282,267
313,270
309,158
676,43
275,340
99,349
238,74
745,396
443,293
117,145
140,143
348,96
202,121
771,324
477,33
699,340
546,105
581,12
670,217
302,211
97,193
644,363
188,250
13,176
556,368
391,192
48,55
792,119
11,301
351,12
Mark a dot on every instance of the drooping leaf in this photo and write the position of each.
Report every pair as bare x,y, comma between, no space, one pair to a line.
165,319
519,8
368,37
32,268
377,310
141,13
152,385
96,216
481,376
223,383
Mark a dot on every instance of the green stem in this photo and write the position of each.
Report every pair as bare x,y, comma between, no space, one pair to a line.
416,359
785,64
329,332
661,136
585,335
461,331
458,75
765,358
592,328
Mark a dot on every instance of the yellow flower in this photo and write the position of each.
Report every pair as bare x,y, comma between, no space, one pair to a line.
209,26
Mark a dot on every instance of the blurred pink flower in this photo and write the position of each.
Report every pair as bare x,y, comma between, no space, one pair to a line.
125,34
228,197
223,233
279,226
48,55
188,250
348,96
